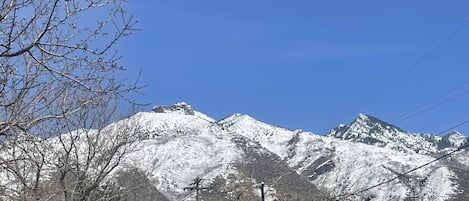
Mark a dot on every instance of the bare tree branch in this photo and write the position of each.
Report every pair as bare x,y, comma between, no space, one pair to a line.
59,91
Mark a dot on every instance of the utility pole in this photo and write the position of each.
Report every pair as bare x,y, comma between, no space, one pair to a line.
262,191
196,186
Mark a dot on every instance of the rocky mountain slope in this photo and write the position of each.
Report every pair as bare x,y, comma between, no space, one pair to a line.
239,152
234,155
371,130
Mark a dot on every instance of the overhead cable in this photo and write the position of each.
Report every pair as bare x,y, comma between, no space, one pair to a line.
405,71
347,195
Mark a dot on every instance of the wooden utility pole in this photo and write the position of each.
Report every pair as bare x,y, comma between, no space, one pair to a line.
196,186
262,191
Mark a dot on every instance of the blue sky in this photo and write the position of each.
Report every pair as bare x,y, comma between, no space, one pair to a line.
305,64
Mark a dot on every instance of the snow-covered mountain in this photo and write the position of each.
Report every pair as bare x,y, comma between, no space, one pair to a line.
371,130
234,155
239,152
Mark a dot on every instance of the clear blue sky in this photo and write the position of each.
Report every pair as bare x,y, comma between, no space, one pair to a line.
304,64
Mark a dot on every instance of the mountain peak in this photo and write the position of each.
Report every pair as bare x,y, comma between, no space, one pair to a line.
235,118
371,130
362,116
180,108
371,121
455,133
363,124
454,139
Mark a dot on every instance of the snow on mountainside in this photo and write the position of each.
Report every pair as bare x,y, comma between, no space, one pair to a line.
183,144
233,155
344,167
275,139
452,140
300,149
356,166
371,130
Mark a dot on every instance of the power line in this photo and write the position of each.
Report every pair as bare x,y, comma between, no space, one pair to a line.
454,127
432,107
405,173
398,118
404,72
411,170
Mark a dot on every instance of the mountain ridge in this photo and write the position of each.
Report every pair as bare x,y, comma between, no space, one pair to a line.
232,156
320,158
372,130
